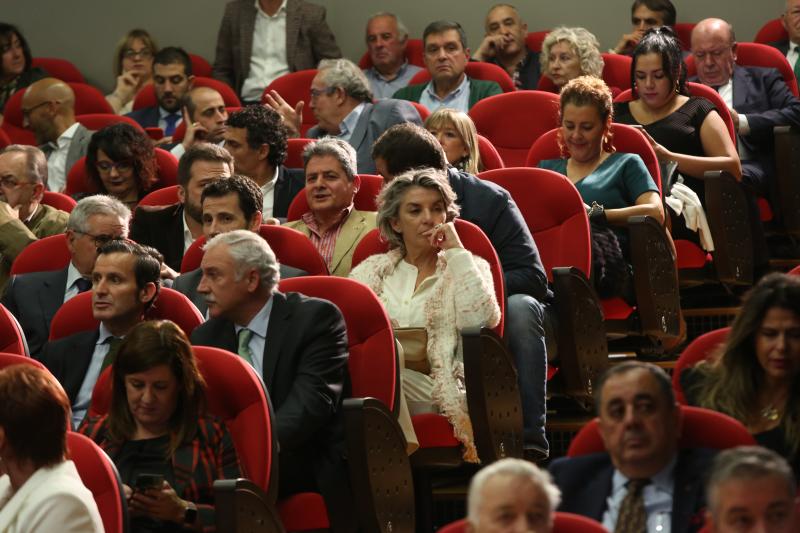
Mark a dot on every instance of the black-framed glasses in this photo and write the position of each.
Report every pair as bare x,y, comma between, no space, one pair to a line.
316,93
121,166
100,240
26,112
144,53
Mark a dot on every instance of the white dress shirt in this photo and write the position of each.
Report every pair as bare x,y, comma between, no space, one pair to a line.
657,499
726,92
268,191
793,54
188,238
458,99
268,55
57,162
258,340
92,373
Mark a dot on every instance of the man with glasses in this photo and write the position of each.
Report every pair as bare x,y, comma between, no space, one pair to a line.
48,110
446,56
23,218
34,298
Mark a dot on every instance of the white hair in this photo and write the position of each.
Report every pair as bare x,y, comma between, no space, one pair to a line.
402,30
98,204
249,251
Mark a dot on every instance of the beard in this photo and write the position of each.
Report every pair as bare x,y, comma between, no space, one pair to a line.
194,211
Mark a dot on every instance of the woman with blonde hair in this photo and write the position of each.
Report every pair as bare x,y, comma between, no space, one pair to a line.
133,67
456,132
568,53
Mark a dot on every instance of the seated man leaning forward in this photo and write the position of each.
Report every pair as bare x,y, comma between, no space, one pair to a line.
642,480
332,223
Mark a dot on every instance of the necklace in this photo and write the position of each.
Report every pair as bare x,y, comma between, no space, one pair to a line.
770,413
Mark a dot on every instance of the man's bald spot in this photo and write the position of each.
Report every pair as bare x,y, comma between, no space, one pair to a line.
714,25
50,90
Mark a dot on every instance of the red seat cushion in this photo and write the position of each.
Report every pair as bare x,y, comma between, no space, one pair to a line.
303,511
434,431
616,309
690,255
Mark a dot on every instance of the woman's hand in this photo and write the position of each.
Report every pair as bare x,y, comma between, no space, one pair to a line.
662,153
162,504
444,236
127,84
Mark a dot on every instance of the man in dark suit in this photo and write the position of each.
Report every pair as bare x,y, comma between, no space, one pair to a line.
172,79
226,204
642,471
256,139
298,345
125,283
341,99
34,298
172,229
258,42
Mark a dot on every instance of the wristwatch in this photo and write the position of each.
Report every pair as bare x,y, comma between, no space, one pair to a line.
597,214
190,515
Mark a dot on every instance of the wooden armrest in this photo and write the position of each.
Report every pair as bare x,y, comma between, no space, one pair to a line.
727,214
241,506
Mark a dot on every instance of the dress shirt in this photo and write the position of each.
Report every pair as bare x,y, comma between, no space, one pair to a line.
178,150
72,277
347,126
657,499
57,161
325,244
268,191
793,54
383,88
92,373
162,118
268,55
258,340
188,238
726,93
458,99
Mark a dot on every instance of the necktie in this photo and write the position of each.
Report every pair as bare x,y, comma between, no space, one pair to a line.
83,284
113,348
172,121
244,346
632,516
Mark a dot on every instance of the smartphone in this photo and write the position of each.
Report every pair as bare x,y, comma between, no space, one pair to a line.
155,133
148,481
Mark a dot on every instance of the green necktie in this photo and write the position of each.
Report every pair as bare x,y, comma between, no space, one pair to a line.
243,349
113,348
797,68
632,516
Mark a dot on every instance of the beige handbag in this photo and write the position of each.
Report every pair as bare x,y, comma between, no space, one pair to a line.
415,348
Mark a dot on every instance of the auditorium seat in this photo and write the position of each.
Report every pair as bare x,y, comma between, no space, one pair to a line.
490,157
369,187
683,30
59,68
12,338
167,172
98,121
294,87
160,197
772,31
59,201
477,70
146,97
200,66
294,152
699,349
47,253
534,40
10,359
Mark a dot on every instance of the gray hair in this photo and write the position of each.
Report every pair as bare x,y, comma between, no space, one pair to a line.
585,44
747,463
249,251
515,468
346,75
402,30
98,204
35,162
391,198
341,150
661,377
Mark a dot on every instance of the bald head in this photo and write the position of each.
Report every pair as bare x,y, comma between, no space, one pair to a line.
714,26
207,108
714,51
53,90
48,108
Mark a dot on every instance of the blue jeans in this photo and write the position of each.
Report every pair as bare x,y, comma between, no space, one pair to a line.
526,322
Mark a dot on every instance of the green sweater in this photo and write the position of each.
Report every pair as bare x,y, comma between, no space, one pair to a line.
478,90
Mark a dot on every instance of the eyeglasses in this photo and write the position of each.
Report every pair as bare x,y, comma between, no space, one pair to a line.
316,93
10,182
26,112
144,53
121,166
100,240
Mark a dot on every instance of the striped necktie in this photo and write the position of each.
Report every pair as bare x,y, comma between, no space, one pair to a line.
113,347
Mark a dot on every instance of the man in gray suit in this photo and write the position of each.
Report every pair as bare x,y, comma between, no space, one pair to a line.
228,204
261,41
48,110
341,99
34,298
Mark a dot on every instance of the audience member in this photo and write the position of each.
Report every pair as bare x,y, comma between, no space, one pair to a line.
40,489
504,45
754,377
125,283
568,53
642,482
172,79
227,204
511,495
645,14
133,67
490,207
387,38
751,489
172,229
204,114
48,110
429,282
34,298
263,40
299,346
16,70
120,162
791,22
341,100
157,411
456,132
332,223
446,56
256,139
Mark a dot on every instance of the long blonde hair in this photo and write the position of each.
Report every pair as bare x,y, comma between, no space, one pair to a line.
459,121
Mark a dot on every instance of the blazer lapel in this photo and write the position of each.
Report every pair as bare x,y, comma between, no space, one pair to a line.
247,24
276,332
351,231
51,297
360,131
741,86
293,21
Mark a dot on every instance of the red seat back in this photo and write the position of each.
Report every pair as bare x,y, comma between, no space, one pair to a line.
12,338
562,523
423,111
200,66
477,70
59,201
290,246
167,173
98,121
146,97
698,350
294,153
161,197
59,68
47,253
683,30
772,31
701,428
10,359
364,199
534,112
414,55
535,39
4,140
294,87
795,271
490,157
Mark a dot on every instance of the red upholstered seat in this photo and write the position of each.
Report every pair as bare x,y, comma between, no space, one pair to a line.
290,246
294,87
59,201
161,197
423,111
369,187
771,32
59,68
146,97
477,70
78,181
414,55
534,112
294,154
48,253
434,431
795,271
683,30
200,66
534,40
12,338
562,523
9,359
98,121
490,157
699,349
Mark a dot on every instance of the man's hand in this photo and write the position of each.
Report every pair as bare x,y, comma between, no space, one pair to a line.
7,212
628,40
292,117
735,118
490,45
195,132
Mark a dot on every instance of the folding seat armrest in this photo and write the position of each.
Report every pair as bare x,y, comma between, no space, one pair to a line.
655,276
493,399
787,167
582,344
241,506
380,470
727,214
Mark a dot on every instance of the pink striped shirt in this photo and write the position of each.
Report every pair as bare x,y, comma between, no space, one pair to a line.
325,244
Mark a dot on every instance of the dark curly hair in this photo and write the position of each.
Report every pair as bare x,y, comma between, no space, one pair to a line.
664,42
251,198
123,142
264,126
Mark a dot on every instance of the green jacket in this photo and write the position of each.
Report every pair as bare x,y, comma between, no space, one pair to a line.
478,90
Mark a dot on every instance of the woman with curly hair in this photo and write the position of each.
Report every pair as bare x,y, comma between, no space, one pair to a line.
568,53
456,132
121,162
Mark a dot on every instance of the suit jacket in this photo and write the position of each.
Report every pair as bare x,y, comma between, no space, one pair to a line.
34,299
586,482
78,147
68,360
290,181
358,224
161,228
783,46
187,284
147,117
478,90
308,39
374,120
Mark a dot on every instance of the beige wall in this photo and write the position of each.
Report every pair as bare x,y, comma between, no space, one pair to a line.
86,31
